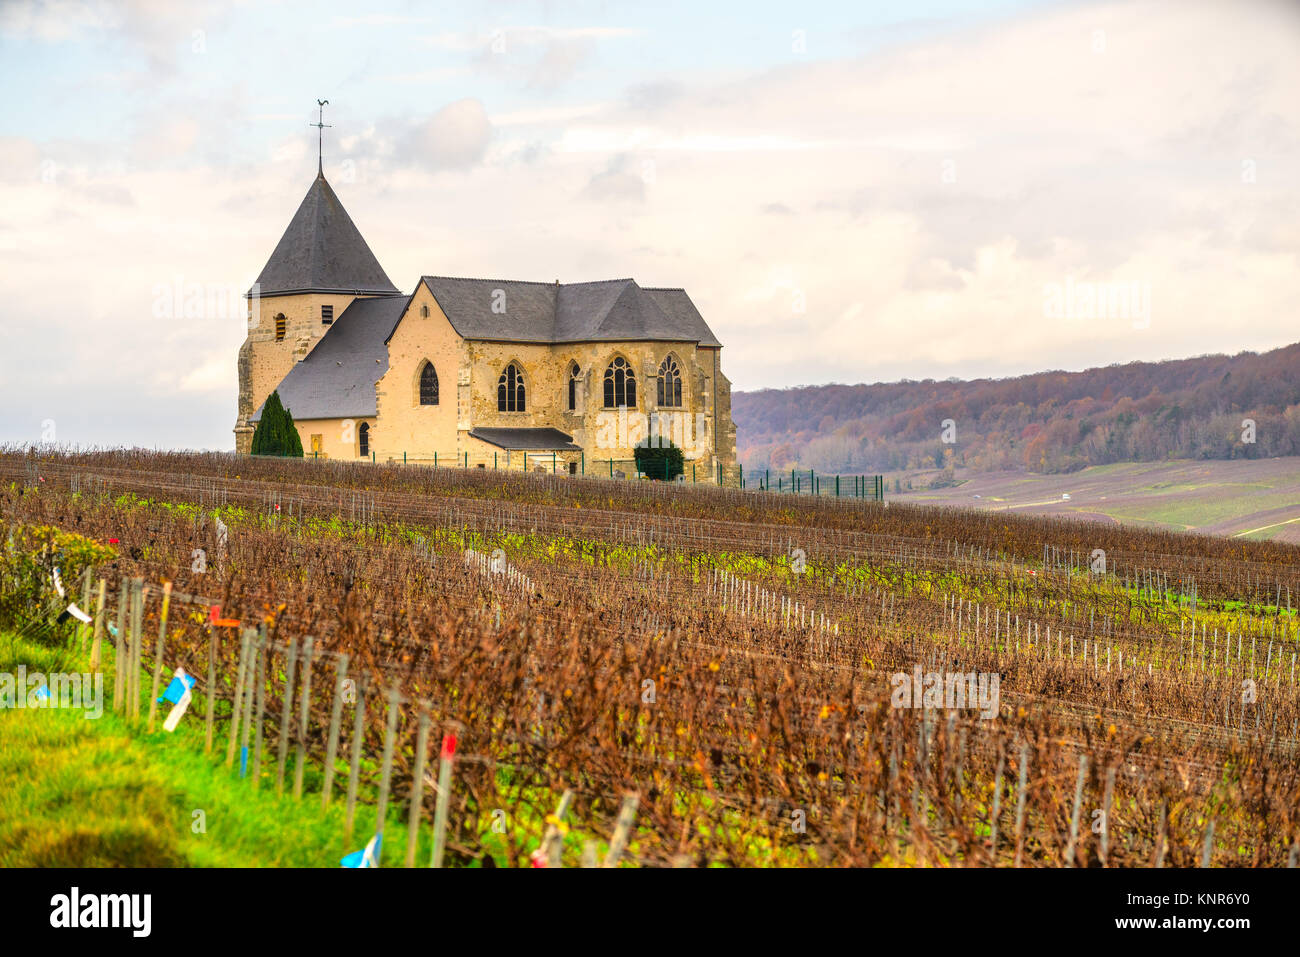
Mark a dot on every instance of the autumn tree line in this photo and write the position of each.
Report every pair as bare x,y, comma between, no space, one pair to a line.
1207,407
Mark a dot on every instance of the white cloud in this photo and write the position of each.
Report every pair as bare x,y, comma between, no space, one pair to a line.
212,376
539,57
51,20
507,37
613,139
455,136
547,116
917,201
438,74
375,20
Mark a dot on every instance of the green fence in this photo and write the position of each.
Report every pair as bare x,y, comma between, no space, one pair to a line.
792,482
811,482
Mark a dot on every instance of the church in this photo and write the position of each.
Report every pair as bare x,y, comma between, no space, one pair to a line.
475,373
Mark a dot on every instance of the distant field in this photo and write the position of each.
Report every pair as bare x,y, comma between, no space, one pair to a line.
1249,498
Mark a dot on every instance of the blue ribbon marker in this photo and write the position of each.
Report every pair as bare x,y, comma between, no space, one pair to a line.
176,690
368,857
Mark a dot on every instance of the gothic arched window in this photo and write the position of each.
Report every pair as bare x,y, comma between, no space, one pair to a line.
281,326
573,387
510,390
620,385
428,384
670,384
363,439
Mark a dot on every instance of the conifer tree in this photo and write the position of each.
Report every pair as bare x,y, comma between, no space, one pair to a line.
276,434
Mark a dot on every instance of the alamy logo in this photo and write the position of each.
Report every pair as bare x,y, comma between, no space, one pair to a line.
947,689
1099,300
102,910
625,429
38,690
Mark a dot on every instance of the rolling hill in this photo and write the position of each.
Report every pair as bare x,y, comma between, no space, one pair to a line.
1048,422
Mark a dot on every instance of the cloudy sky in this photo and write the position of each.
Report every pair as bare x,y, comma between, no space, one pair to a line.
849,192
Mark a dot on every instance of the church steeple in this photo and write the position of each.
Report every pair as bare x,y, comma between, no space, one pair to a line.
323,251
319,267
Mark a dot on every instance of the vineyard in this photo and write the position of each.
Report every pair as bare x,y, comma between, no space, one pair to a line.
662,675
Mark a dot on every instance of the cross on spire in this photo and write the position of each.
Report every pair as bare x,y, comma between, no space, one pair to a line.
320,136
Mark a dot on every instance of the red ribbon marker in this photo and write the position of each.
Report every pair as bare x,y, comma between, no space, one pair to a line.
214,618
448,745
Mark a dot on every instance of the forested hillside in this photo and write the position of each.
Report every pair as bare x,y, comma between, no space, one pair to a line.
1046,422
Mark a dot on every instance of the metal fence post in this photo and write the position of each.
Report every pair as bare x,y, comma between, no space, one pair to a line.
98,639
300,762
446,756
336,713
158,652
237,702
417,788
354,770
386,771
213,637
286,716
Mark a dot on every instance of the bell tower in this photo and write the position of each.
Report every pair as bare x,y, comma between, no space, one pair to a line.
320,265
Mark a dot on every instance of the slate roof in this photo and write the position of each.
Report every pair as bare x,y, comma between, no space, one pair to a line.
337,379
322,251
609,310
527,440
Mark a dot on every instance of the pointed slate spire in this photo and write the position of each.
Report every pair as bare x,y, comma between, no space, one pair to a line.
323,251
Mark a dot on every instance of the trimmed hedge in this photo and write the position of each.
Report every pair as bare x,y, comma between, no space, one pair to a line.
662,463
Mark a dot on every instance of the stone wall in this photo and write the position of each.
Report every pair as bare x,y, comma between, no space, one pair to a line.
408,427
603,433
338,438
264,361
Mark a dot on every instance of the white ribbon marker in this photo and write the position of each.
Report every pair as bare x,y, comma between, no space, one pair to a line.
178,712
182,703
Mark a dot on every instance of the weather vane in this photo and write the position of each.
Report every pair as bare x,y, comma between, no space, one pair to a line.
320,136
